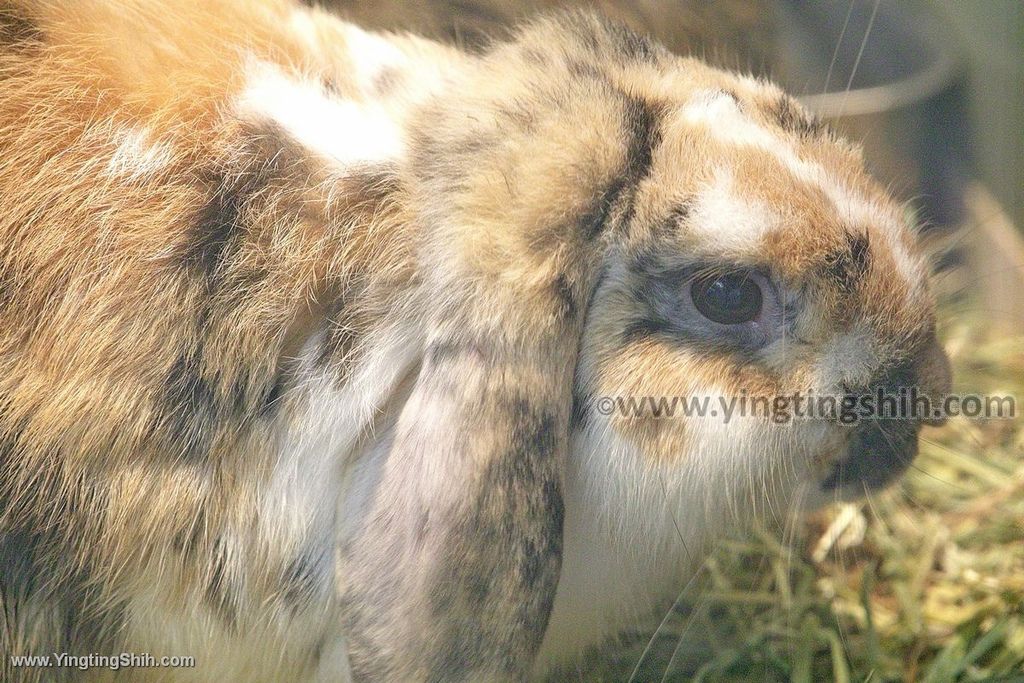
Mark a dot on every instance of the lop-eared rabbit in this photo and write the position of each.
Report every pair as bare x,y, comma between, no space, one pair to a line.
315,342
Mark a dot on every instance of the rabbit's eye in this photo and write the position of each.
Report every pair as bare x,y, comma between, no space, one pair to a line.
729,299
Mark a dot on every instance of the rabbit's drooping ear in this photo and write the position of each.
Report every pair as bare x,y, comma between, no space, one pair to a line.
456,571
454,574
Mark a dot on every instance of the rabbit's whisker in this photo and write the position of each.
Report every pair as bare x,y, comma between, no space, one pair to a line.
839,44
860,53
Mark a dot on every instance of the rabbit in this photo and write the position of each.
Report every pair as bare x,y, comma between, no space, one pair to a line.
309,336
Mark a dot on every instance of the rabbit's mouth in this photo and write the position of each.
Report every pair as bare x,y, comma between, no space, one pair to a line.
878,452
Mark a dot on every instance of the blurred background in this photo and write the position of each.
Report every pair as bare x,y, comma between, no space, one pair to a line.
925,581
990,39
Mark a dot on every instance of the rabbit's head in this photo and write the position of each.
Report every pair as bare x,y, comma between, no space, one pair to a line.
742,283
614,237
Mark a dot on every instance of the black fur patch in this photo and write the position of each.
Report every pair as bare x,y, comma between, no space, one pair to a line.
675,218
196,405
304,579
219,223
512,557
216,226
192,408
790,117
645,134
219,592
594,221
847,267
642,127
566,298
47,603
198,401
630,45
18,31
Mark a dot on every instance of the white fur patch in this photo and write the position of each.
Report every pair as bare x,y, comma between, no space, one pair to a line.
302,25
636,529
852,359
727,220
136,156
721,115
914,269
307,486
371,54
313,494
348,133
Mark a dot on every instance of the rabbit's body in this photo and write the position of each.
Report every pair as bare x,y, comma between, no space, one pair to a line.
305,329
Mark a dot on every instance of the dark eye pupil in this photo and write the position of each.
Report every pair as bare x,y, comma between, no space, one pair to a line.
729,299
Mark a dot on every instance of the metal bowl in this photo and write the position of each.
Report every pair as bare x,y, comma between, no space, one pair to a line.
889,75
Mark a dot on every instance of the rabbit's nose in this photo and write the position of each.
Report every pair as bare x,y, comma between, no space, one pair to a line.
883,443
878,452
